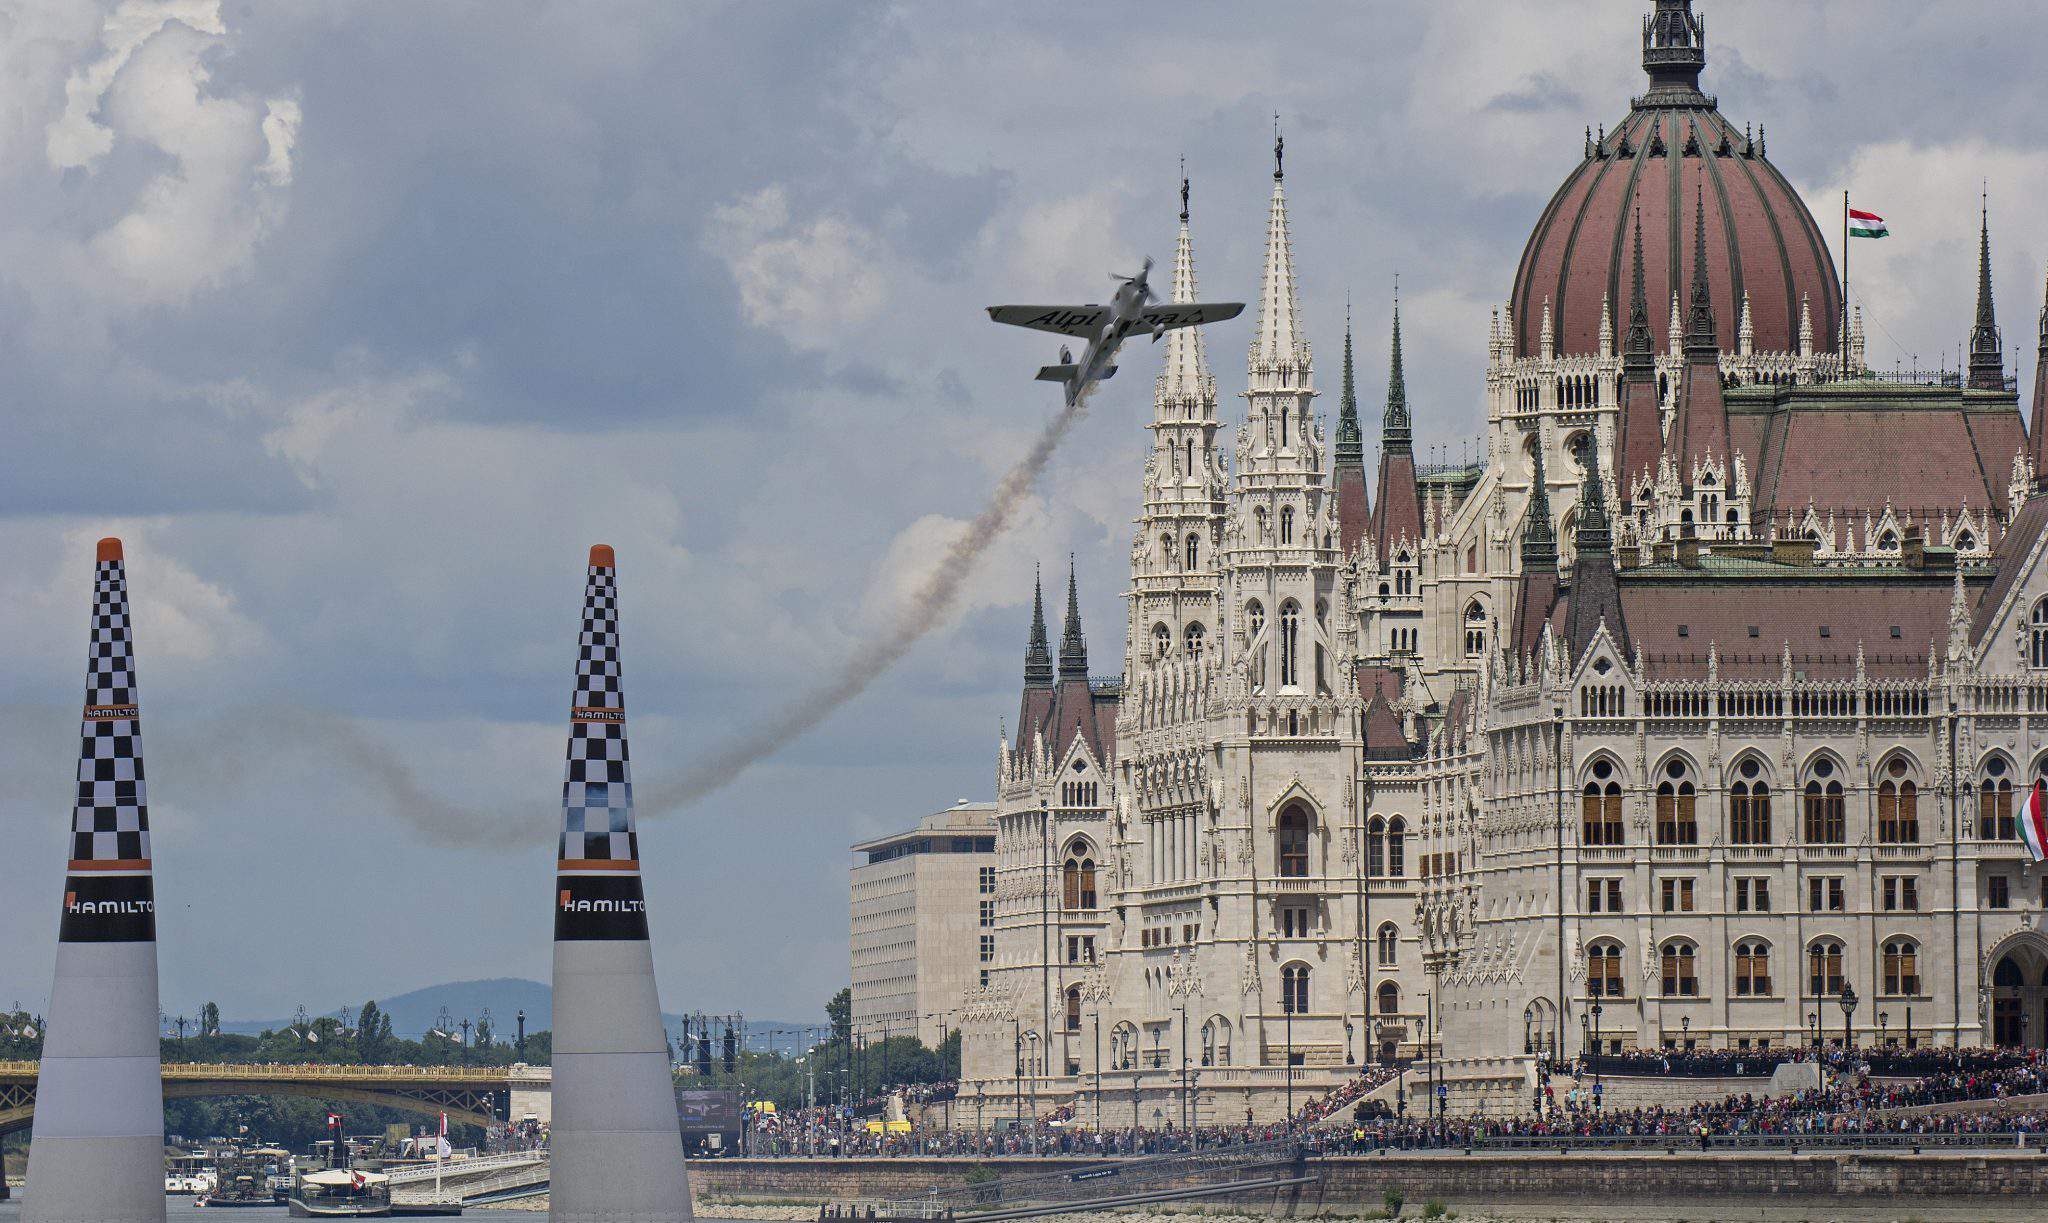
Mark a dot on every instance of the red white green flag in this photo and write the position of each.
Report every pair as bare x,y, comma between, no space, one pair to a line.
2034,822
1867,225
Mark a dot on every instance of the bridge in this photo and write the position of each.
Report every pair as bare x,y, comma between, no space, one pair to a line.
477,1095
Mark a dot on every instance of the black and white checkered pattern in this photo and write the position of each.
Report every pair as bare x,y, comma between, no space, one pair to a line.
111,821
597,788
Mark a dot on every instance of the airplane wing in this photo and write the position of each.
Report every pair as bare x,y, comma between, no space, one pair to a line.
1063,320
1189,314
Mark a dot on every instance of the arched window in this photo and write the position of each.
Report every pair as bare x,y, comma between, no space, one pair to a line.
1293,843
1389,940
1824,968
1600,806
1123,1046
1259,523
1994,802
1162,641
1898,805
1290,643
1077,877
1749,804
1194,637
1073,1008
1286,524
1254,620
1603,969
1375,848
1901,967
1397,842
1676,824
1821,806
1677,960
1294,989
1166,551
1389,998
1475,629
2037,636
1216,1041
1752,968
1194,554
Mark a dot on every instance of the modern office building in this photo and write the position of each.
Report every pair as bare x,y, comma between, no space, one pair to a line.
923,909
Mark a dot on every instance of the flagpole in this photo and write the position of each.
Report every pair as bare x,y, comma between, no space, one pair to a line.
1844,354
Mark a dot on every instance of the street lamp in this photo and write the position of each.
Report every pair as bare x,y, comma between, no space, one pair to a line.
1848,1009
1883,1022
1813,1019
1685,1033
1348,1031
1598,1093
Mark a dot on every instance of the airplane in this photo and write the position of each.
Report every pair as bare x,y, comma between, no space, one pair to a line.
1105,328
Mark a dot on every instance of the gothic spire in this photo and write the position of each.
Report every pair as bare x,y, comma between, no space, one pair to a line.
1539,537
1593,530
1396,432
1278,342
2037,423
1037,655
1596,593
1699,331
1987,345
1637,349
1185,378
1073,646
1350,441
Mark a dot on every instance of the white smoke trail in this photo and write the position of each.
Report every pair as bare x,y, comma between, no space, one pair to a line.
927,609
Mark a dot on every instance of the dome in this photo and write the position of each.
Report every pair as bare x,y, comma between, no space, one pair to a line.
1674,148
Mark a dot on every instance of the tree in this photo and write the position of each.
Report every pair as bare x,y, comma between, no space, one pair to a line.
209,1020
373,1030
839,1012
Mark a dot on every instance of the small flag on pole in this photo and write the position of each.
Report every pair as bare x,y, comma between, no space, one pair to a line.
2034,822
1867,225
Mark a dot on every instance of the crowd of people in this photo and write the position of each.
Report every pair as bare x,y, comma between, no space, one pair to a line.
1761,1062
1863,1092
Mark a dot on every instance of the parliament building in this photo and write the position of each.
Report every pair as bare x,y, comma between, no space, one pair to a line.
1698,713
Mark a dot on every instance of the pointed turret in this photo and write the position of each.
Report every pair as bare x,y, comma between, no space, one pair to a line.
97,1151
1674,49
1354,509
1038,653
1185,379
1073,646
1987,344
2037,424
1700,429
1641,437
1398,515
617,1147
1536,592
1596,590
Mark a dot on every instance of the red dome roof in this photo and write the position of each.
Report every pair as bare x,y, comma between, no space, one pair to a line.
1760,237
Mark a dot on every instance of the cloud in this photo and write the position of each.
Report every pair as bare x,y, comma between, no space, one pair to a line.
802,280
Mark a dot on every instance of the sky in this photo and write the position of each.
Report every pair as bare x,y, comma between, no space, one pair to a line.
361,322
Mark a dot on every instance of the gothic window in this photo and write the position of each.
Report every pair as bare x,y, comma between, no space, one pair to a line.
1404,577
1965,542
1600,806
1293,843
1888,542
1603,969
1994,802
1389,940
1077,877
1073,1008
1286,524
1677,961
1826,822
1475,629
1259,522
1290,644
1294,989
1824,968
1166,551
2037,637
1901,967
1389,998
1898,805
1194,635
1376,848
1749,805
1676,824
1194,555
1162,641
1254,620
1397,840
1752,968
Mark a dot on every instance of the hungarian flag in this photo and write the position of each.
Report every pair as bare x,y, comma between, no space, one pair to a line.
1867,225
2034,822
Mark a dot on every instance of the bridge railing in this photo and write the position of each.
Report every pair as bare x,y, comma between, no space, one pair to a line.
451,1168
468,1075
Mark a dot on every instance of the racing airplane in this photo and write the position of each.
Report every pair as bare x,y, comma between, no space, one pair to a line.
1105,328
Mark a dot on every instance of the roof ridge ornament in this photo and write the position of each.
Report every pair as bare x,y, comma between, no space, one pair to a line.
1674,55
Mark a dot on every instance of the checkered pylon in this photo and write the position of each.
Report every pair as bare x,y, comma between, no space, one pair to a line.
111,820
597,789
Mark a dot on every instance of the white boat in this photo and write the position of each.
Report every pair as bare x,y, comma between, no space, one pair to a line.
340,1192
